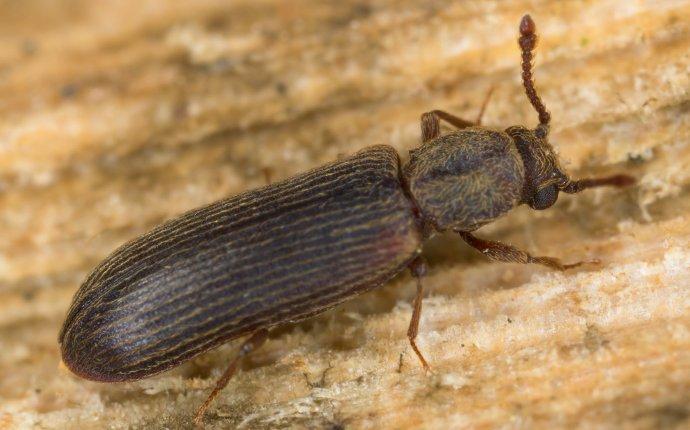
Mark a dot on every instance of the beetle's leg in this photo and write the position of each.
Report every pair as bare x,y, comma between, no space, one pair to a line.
268,172
418,269
255,341
485,103
431,127
431,123
498,251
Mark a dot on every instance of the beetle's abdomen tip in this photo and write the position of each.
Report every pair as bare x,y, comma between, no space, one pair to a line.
81,361
93,357
80,367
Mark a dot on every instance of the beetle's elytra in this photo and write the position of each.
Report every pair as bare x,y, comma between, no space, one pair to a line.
279,253
293,249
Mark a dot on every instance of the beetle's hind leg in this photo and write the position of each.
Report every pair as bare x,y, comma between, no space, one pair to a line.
498,251
418,269
253,342
431,121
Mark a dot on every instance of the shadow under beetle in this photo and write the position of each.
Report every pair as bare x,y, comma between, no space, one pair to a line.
293,249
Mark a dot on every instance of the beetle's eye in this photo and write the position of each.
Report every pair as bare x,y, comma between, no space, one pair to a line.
544,198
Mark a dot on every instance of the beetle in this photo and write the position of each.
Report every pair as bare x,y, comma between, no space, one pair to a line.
296,248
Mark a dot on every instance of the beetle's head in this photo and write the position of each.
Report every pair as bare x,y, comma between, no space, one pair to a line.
544,177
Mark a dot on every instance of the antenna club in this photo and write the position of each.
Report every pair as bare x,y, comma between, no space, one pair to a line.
527,26
528,36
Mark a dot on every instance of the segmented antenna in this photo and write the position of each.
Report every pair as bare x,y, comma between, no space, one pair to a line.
527,41
619,181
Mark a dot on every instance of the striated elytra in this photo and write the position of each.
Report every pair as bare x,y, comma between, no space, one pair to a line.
277,254
293,249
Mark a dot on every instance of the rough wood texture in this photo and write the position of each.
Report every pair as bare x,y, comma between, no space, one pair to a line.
117,115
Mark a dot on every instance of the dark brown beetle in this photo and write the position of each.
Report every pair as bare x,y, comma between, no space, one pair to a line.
293,249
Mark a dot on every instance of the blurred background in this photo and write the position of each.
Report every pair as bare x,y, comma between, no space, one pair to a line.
117,115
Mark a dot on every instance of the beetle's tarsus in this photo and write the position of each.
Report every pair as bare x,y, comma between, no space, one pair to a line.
485,103
557,264
253,342
498,251
268,173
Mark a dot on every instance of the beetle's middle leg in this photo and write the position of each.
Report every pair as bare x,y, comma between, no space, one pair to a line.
418,269
253,342
498,251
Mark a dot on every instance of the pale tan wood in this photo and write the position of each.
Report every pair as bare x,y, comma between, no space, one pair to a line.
117,115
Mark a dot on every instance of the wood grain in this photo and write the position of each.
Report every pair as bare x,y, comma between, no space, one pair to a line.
115,116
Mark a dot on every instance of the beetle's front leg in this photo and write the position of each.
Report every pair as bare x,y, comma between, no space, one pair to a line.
253,342
498,251
431,121
418,269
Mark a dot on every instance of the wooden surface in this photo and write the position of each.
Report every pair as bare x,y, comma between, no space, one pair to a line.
115,116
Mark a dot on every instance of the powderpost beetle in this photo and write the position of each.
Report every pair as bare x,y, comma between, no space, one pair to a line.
293,249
